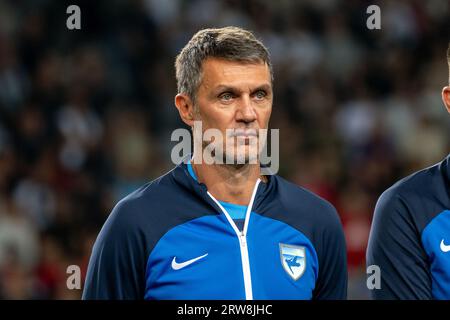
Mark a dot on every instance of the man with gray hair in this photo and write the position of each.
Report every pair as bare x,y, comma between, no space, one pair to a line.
410,234
221,229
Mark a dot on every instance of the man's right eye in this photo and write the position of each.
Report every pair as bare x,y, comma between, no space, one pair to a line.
226,96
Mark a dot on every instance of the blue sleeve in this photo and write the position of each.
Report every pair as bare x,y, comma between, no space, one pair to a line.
332,280
116,268
395,247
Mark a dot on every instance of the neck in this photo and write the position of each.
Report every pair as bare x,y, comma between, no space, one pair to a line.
228,183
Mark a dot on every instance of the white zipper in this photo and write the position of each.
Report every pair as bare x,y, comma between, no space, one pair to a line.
242,236
246,268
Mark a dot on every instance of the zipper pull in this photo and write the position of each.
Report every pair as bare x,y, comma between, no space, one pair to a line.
243,240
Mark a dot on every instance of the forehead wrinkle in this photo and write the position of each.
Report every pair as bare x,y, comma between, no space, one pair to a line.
235,73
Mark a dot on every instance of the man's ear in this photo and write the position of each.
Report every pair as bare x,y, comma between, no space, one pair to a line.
186,108
446,97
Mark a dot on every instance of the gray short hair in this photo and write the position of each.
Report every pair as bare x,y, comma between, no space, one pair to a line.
230,43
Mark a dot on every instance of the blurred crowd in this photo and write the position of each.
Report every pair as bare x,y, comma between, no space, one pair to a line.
86,115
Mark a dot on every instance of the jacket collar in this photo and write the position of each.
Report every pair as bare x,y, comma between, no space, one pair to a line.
444,166
183,178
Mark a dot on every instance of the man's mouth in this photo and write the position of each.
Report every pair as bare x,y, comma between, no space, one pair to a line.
244,133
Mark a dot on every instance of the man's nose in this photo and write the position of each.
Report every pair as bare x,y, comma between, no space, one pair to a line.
246,111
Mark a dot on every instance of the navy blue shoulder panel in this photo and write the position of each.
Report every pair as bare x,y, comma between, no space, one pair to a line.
401,214
118,262
318,220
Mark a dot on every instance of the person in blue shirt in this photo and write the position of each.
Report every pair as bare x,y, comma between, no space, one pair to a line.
220,231
410,235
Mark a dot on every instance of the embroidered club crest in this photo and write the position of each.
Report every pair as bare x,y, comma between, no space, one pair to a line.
293,259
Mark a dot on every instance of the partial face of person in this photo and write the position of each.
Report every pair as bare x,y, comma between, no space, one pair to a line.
237,96
446,97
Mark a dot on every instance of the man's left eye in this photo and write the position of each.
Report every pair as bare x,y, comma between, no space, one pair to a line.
260,95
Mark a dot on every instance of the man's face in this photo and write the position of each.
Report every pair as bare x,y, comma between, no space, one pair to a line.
235,95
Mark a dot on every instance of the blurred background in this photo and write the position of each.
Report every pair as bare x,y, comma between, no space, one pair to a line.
86,115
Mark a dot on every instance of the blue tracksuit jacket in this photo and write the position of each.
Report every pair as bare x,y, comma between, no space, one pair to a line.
410,236
171,239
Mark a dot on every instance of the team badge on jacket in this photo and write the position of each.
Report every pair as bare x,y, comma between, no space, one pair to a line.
293,259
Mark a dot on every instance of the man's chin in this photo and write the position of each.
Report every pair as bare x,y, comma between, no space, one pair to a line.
241,158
